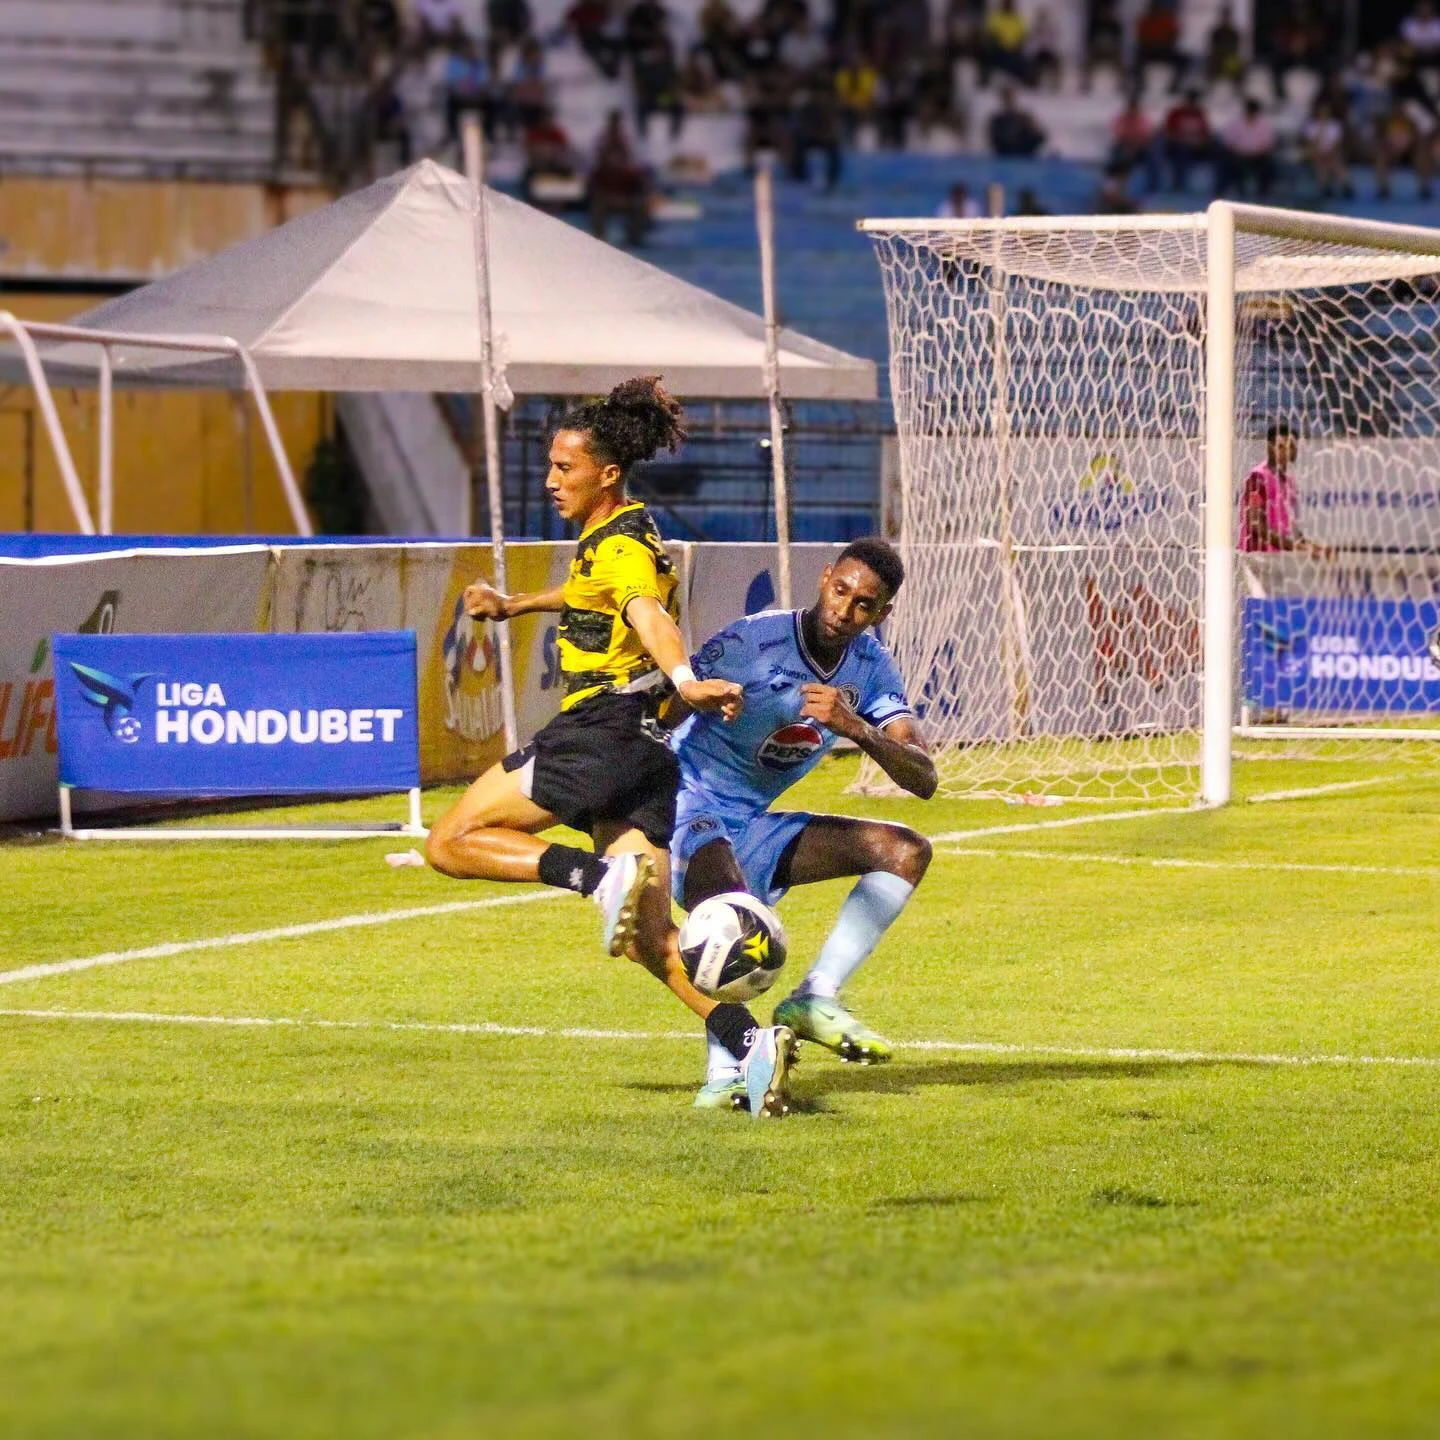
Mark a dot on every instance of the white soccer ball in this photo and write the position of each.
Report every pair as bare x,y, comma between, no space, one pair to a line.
733,946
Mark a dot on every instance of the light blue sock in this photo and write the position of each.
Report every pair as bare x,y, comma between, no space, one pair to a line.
720,1064
868,912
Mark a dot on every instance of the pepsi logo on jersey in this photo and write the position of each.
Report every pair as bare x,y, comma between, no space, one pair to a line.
790,745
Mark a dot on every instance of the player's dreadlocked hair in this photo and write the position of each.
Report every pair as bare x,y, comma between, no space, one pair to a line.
637,419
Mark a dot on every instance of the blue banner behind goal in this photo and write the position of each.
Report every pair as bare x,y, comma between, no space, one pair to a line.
1353,655
237,714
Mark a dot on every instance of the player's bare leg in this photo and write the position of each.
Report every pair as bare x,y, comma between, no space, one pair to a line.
890,860
488,834
762,1054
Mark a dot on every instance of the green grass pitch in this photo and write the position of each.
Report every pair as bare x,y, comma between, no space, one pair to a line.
1087,1199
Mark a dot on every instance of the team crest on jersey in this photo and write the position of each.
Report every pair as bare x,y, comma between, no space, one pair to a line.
850,695
790,745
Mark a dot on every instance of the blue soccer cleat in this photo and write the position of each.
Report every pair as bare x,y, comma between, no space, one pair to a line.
766,1072
618,896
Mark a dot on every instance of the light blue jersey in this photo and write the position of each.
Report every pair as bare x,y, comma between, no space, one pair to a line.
730,774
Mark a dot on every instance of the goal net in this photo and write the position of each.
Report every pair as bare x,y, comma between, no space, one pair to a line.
1065,407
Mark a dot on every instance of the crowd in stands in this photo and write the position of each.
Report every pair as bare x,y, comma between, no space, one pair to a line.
810,77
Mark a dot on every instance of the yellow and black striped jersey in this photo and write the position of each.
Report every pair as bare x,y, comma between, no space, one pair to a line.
617,561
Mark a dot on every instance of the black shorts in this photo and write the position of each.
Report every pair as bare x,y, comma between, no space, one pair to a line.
603,761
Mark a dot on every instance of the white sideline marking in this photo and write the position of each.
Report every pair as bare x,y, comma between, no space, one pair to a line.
253,937
975,1047
952,835
1163,863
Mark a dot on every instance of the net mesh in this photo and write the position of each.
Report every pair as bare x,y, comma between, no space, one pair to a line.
1049,391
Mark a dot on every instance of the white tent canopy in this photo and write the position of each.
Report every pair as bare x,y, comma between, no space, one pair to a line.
378,292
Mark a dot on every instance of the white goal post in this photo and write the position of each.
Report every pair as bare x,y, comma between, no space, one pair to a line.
1169,486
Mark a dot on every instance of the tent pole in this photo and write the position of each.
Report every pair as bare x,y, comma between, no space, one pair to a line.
79,507
473,143
293,498
765,225
107,443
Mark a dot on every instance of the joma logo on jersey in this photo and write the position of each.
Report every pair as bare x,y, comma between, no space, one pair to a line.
789,745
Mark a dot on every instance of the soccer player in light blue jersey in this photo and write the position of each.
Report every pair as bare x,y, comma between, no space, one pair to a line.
810,677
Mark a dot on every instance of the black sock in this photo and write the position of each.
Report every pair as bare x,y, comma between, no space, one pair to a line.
734,1027
567,868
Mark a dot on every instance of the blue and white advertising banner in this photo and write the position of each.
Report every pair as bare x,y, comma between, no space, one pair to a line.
237,714
1348,654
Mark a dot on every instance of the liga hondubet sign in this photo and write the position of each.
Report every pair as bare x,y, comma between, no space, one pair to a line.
237,714
1355,654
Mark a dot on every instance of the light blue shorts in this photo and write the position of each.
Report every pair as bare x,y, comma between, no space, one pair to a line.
759,839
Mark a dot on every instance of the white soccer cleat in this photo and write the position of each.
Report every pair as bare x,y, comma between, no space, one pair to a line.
618,896
766,1071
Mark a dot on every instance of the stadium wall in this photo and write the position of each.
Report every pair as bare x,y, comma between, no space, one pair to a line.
287,589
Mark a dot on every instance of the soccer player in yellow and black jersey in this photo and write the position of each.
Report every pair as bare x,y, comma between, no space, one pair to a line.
601,764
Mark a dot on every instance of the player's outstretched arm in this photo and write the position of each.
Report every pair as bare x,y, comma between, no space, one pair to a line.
485,602
898,749
661,637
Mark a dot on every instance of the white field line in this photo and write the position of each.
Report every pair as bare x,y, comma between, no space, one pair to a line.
255,937
1335,788
1163,863
385,917
971,1047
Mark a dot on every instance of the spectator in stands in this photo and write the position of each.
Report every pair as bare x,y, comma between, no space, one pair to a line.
1112,196
1405,135
1133,142
959,204
722,39
1298,42
551,167
1187,138
590,22
527,92
857,86
895,102
619,184
508,22
437,21
802,48
816,128
1002,43
656,78
700,91
767,113
1366,93
1324,140
1247,152
1013,131
963,29
381,19
1420,30
1104,41
1224,47
1157,41
1042,51
936,103
1027,204
468,86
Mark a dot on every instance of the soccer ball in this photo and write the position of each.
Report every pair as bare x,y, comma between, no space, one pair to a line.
733,946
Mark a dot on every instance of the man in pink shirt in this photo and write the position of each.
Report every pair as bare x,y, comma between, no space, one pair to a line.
1268,507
